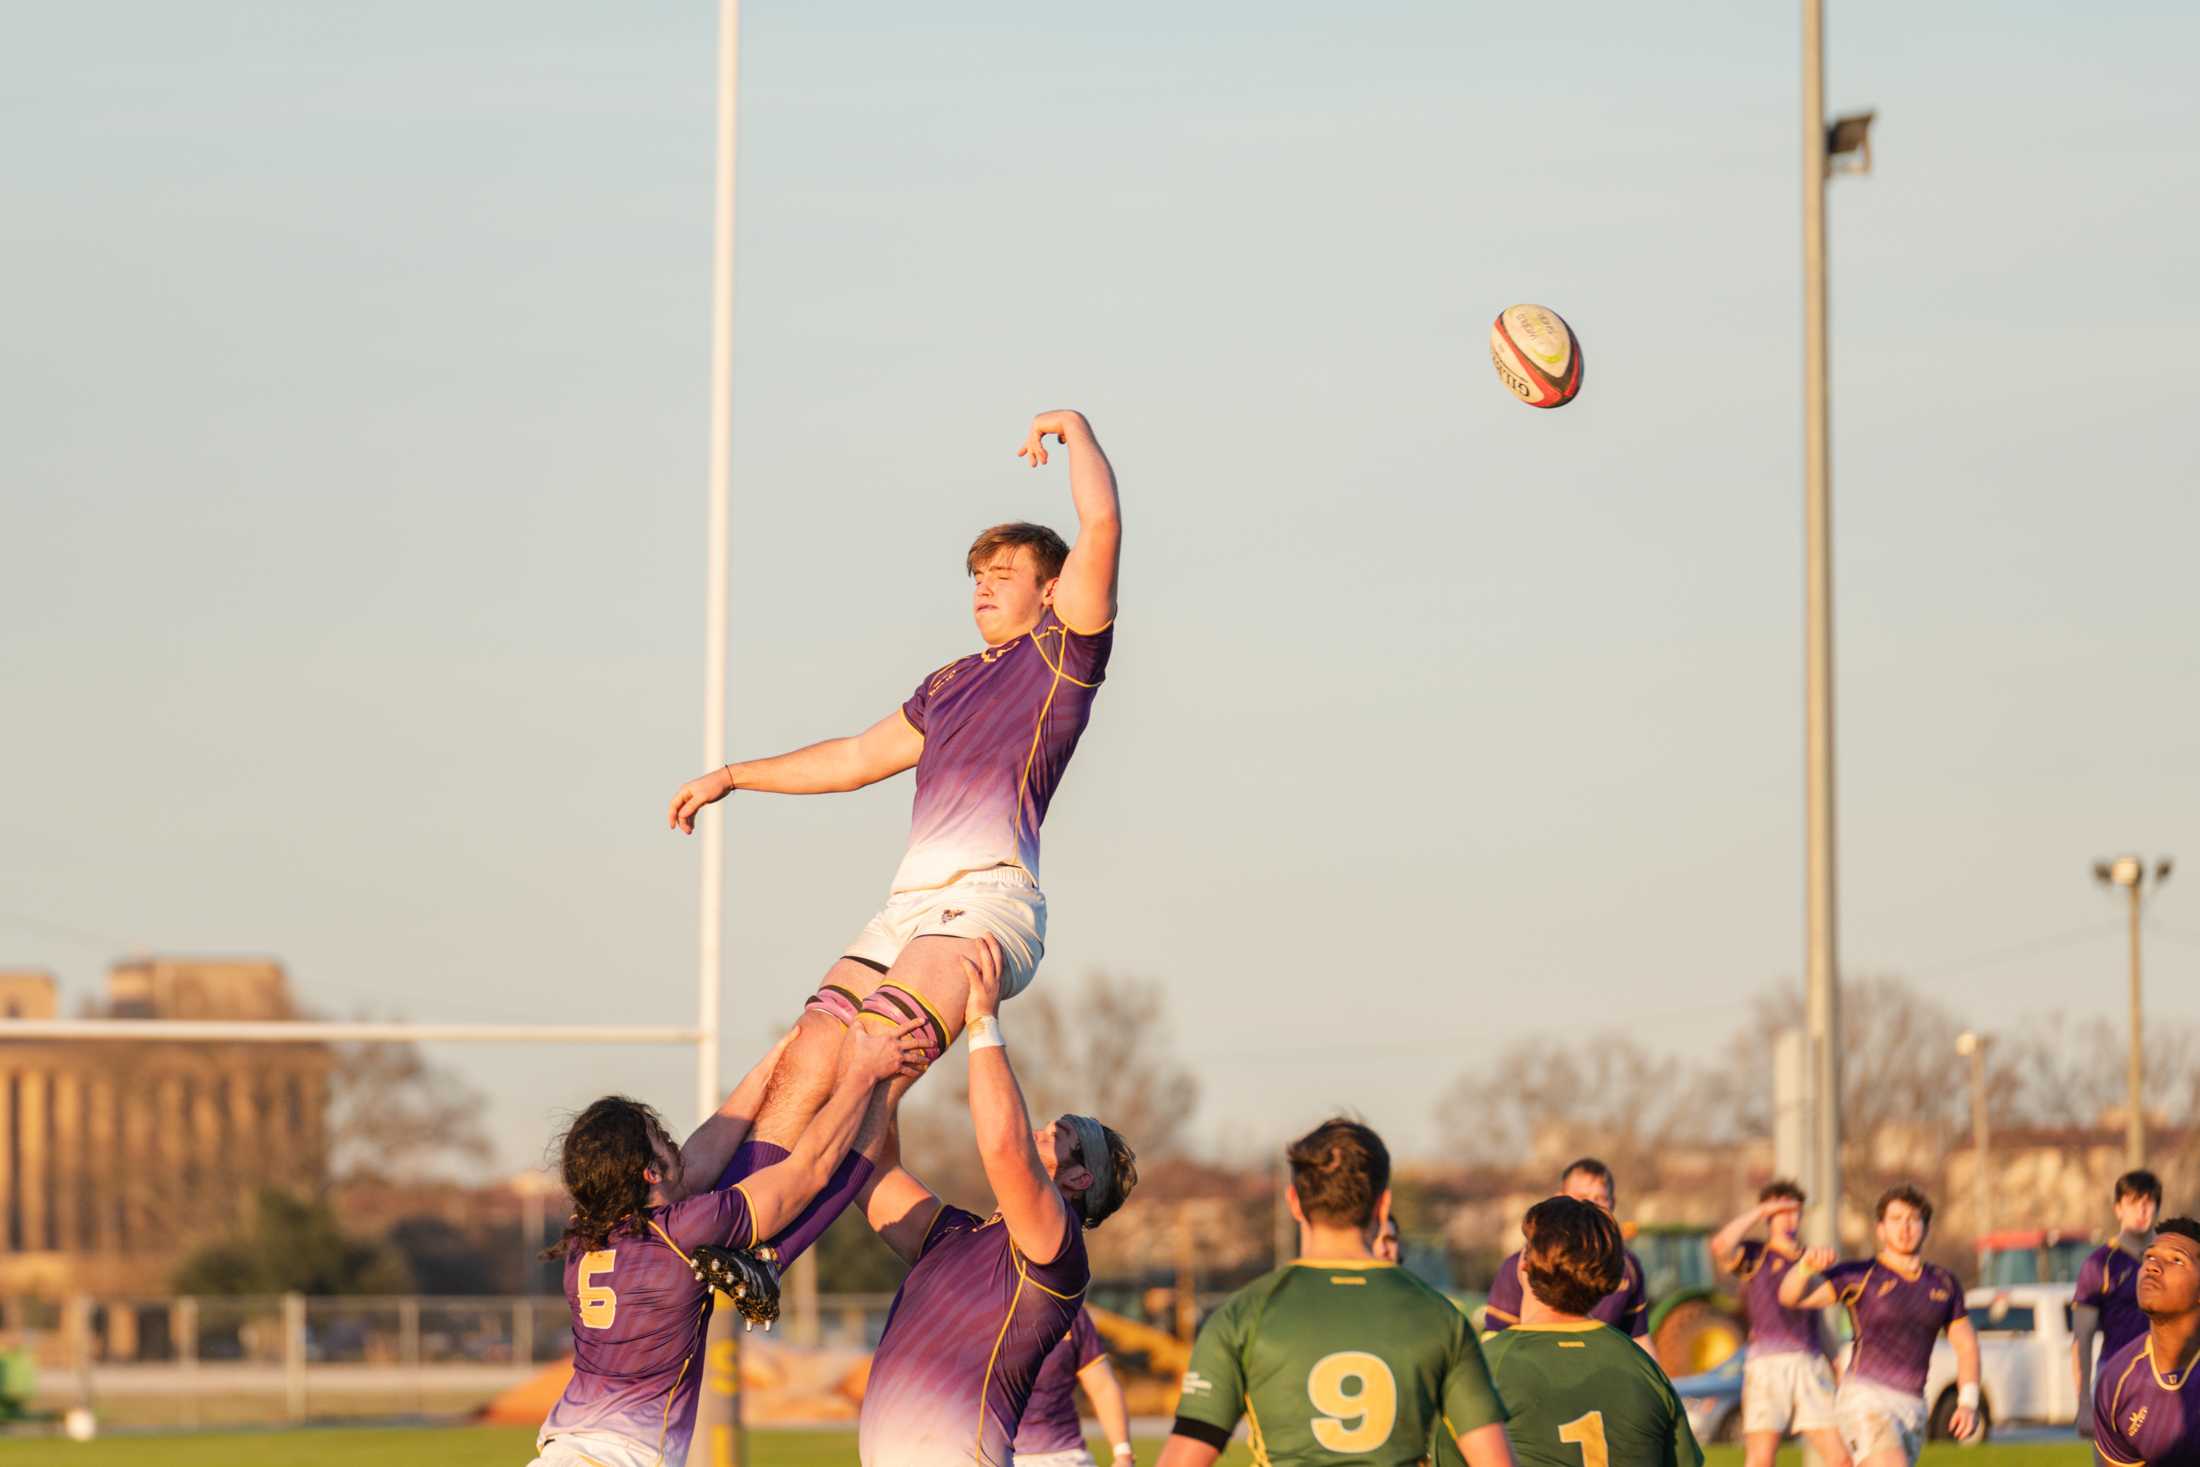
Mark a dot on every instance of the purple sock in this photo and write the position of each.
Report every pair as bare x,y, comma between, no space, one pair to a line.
752,1157
796,1237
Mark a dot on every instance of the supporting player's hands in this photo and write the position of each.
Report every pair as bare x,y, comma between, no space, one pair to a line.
704,789
1061,424
1818,1260
982,966
874,1055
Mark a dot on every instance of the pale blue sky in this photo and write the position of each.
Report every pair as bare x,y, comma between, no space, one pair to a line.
351,567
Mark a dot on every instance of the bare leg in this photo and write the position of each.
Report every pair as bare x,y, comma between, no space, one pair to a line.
805,1075
1826,1441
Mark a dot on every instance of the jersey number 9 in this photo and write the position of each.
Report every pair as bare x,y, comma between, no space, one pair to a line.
599,1306
1353,1422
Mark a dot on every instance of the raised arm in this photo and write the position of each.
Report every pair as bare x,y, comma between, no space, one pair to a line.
703,1159
1037,1218
1084,597
1726,1244
1803,1288
899,1208
1106,1394
868,1059
884,749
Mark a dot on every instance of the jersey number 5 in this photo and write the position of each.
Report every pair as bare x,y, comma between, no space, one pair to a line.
1358,1421
1587,1433
599,1306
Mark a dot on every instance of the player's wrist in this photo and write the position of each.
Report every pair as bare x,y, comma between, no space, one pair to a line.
1123,1452
985,1032
1967,1395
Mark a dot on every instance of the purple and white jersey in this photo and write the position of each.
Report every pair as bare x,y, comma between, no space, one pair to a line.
999,727
638,1320
1774,1329
1050,1417
2141,1414
1626,1308
970,1327
1897,1318
2108,1281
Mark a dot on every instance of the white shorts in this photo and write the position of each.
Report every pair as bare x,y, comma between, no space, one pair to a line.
1077,1457
594,1449
1877,1418
1791,1391
1002,901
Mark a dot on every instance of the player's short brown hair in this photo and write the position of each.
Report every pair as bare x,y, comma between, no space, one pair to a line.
1097,1208
1338,1170
2140,1183
1574,1255
1907,1193
1589,1166
1781,1187
1047,548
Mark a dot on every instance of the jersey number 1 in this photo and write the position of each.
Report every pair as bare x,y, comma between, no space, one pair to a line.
599,1305
1372,1410
1587,1433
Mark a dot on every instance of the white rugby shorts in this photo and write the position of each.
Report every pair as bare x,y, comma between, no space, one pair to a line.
1002,901
1076,1457
1791,1391
1876,1418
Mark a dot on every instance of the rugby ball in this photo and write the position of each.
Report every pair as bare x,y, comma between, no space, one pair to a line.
1537,357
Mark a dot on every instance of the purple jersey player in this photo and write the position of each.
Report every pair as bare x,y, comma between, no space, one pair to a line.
990,736
2106,1301
1625,1309
987,1298
1899,1304
1051,1434
639,1311
2143,1413
1787,1385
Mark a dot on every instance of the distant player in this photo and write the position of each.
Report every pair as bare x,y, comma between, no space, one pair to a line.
1338,1357
987,1298
1626,1308
2143,1415
639,1311
2107,1300
1787,1386
1050,1434
1581,1393
1390,1244
990,736
1899,1305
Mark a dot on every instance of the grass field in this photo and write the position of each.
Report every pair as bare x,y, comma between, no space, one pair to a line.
504,1446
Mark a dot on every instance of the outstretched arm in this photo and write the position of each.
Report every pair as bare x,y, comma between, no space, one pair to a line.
714,1142
1037,1218
885,748
868,1059
899,1208
1084,597
1803,1288
1106,1394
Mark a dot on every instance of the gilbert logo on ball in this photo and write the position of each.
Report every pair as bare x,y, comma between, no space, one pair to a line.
1536,355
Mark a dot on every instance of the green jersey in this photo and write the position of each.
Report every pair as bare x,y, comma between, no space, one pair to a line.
1585,1395
1332,1362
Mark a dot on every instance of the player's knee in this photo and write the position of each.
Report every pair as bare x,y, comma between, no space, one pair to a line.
891,1006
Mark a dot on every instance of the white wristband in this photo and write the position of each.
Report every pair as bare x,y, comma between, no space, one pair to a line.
1122,1449
1967,1396
985,1033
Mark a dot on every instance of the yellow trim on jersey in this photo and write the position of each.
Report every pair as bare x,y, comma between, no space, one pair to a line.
1056,667
1565,1326
2115,1461
1342,1263
675,1247
1253,1437
1489,1309
1080,632
2182,1376
742,1187
991,1360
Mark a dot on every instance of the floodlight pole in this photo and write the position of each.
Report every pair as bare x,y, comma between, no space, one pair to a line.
719,1436
1823,1008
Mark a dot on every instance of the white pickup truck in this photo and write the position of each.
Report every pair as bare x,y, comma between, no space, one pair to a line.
2024,1358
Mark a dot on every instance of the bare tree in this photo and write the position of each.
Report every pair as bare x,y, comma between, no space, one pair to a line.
394,1114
